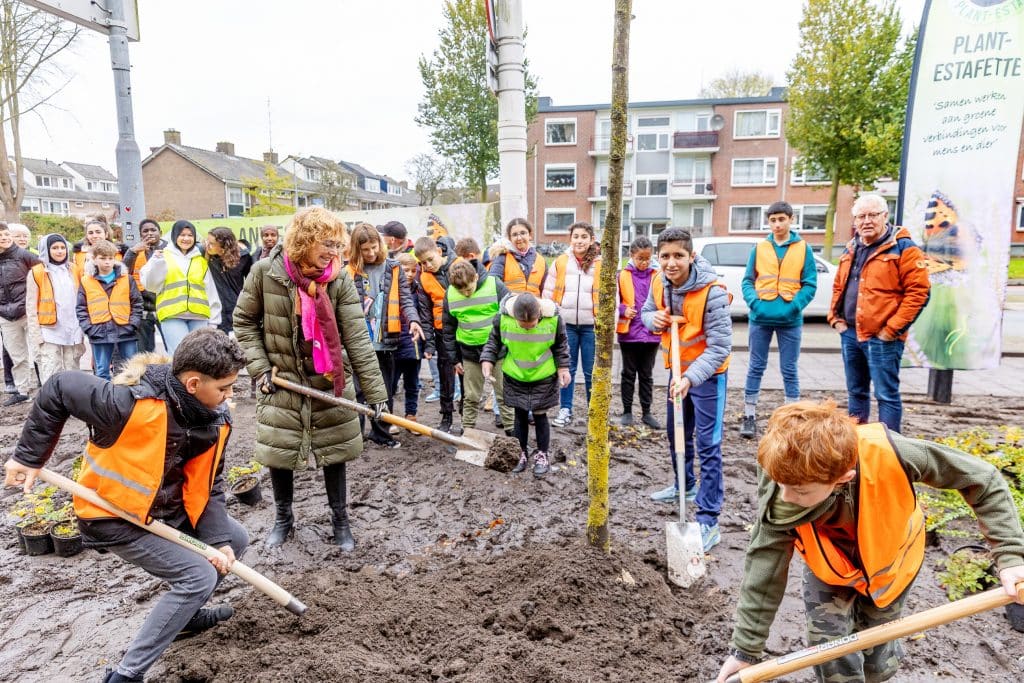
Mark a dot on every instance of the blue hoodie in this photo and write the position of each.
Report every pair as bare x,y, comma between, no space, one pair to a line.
778,312
717,321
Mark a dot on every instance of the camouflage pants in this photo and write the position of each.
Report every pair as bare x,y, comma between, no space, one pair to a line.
834,612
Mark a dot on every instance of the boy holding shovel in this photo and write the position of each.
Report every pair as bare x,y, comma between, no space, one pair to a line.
156,450
842,496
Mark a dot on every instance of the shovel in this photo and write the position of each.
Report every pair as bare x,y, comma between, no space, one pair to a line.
244,572
863,640
473,445
684,547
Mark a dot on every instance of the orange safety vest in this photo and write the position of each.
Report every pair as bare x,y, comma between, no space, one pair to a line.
561,265
80,258
436,291
890,527
140,260
517,282
103,308
777,277
393,313
627,295
692,340
128,473
46,306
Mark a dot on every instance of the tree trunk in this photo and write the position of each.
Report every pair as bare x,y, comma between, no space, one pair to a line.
830,219
606,314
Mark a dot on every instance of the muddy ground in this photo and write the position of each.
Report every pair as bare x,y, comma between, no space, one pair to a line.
464,574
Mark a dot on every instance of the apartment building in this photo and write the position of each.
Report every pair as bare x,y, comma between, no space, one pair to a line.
712,166
68,189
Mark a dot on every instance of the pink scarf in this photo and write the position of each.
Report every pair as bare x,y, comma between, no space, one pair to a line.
319,326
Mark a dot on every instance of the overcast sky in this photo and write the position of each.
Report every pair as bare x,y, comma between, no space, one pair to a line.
342,75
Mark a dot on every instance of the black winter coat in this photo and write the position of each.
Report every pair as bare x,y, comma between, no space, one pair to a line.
406,301
106,407
110,332
15,263
229,282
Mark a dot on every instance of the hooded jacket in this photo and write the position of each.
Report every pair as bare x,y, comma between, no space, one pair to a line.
778,312
641,287
110,332
717,321
290,427
154,273
66,331
15,263
106,407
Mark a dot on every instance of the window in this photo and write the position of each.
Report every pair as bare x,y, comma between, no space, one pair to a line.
754,171
747,218
761,123
91,185
703,122
728,253
560,132
45,181
560,177
652,142
652,121
79,205
312,174
109,187
236,201
812,175
56,207
371,184
557,221
66,183
692,170
651,188
1020,218
810,218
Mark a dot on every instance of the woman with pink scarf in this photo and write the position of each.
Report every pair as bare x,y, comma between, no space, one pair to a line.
300,313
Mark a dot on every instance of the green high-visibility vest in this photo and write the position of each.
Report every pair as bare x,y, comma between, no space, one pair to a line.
529,357
183,291
474,313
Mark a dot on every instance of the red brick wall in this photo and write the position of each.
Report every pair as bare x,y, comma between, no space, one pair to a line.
541,154
178,187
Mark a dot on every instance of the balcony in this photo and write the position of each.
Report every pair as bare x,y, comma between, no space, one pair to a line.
600,145
599,191
691,191
688,142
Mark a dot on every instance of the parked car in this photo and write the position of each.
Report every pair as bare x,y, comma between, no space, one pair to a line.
729,257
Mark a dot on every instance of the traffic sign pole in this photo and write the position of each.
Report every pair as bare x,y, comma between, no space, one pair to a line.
129,160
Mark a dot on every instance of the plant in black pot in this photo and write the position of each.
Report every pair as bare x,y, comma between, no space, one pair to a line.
36,513
67,540
245,482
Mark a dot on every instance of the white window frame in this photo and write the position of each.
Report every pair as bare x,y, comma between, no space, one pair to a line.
48,204
768,132
667,124
45,181
1020,218
79,205
312,174
796,178
109,187
548,212
647,185
798,218
67,183
90,185
376,187
765,161
747,231
659,139
561,167
575,132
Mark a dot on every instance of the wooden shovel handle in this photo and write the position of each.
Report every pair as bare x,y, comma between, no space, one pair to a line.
368,411
863,640
244,572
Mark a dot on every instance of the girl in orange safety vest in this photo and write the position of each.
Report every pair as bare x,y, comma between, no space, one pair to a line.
51,291
637,344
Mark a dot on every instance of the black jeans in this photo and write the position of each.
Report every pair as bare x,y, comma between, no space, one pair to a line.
8,364
407,370
147,332
540,423
378,428
638,361
446,373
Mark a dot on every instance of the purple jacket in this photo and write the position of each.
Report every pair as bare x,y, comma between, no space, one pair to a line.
641,286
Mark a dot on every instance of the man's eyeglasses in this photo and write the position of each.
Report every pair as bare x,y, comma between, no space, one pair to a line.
874,215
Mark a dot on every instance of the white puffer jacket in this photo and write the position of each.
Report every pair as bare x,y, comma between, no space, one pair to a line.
577,304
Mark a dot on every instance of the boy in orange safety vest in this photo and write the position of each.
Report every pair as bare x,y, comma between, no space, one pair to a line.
109,307
780,281
157,436
842,496
687,286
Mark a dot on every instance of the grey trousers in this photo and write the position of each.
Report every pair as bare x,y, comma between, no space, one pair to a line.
192,580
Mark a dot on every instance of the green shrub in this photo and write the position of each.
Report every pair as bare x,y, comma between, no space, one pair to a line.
966,571
43,224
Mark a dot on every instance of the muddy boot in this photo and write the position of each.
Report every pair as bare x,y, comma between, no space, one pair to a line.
284,486
521,465
114,677
446,423
337,499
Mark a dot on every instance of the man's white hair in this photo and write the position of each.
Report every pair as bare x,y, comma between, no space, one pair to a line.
869,202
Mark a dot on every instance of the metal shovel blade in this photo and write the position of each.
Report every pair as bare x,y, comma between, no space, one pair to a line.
484,441
685,553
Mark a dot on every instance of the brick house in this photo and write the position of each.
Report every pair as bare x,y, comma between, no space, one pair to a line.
68,189
189,182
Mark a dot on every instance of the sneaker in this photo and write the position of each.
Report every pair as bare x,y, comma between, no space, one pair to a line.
691,495
112,676
446,423
710,536
390,443
521,465
204,620
669,495
10,389
394,430
648,419
540,463
564,418
749,427
627,419
433,396
15,399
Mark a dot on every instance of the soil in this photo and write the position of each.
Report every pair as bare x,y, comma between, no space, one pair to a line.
462,573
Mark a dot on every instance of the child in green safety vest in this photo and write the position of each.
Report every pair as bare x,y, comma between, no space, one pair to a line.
529,347
470,306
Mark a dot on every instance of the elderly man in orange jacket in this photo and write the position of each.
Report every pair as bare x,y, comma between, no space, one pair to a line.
880,289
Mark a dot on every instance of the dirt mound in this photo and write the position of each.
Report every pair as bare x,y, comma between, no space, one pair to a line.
538,614
503,454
